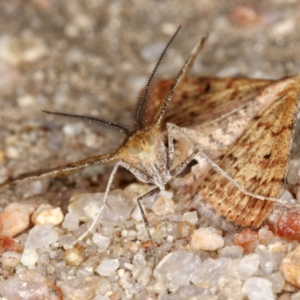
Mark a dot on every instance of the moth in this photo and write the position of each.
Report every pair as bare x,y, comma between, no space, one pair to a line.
143,152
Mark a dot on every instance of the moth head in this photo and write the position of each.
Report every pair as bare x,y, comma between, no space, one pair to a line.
141,141
144,154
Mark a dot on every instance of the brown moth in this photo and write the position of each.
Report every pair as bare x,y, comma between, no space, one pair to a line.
258,161
143,152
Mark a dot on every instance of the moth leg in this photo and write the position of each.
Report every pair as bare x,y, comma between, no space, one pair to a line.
220,170
178,169
104,205
170,147
148,194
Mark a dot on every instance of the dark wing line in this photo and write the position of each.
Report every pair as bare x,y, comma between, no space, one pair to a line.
140,114
90,119
61,170
180,77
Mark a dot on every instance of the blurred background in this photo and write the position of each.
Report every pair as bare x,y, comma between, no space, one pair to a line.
94,56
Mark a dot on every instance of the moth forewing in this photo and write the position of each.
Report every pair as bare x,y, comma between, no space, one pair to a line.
258,162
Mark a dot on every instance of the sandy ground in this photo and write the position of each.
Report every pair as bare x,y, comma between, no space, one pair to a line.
94,56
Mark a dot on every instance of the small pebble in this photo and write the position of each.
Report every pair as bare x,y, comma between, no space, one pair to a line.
205,239
46,214
29,284
29,257
8,244
265,235
10,259
177,269
11,213
41,236
73,257
248,265
233,252
73,129
25,100
213,271
163,206
190,216
71,222
107,267
256,288
136,214
101,241
277,281
80,287
185,229
266,259
87,206
247,239
290,267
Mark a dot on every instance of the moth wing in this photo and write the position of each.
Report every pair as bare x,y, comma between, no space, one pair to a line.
215,111
199,99
258,161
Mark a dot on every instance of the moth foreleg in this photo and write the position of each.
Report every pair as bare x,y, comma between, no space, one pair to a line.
170,147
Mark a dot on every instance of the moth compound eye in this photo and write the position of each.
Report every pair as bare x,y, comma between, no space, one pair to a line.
134,147
149,138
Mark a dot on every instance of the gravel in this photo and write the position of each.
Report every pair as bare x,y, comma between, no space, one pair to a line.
93,57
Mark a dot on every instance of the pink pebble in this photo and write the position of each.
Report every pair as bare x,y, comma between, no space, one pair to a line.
15,218
8,244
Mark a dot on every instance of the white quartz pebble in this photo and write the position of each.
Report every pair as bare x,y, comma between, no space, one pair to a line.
29,257
248,265
10,259
177,269
256,288
87,206
41,236
107,267
190,216
101,241
266,259
30,284
71,222
163,205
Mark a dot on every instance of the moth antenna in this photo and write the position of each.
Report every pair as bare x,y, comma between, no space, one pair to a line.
91,119
36,175
140,114
180,77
